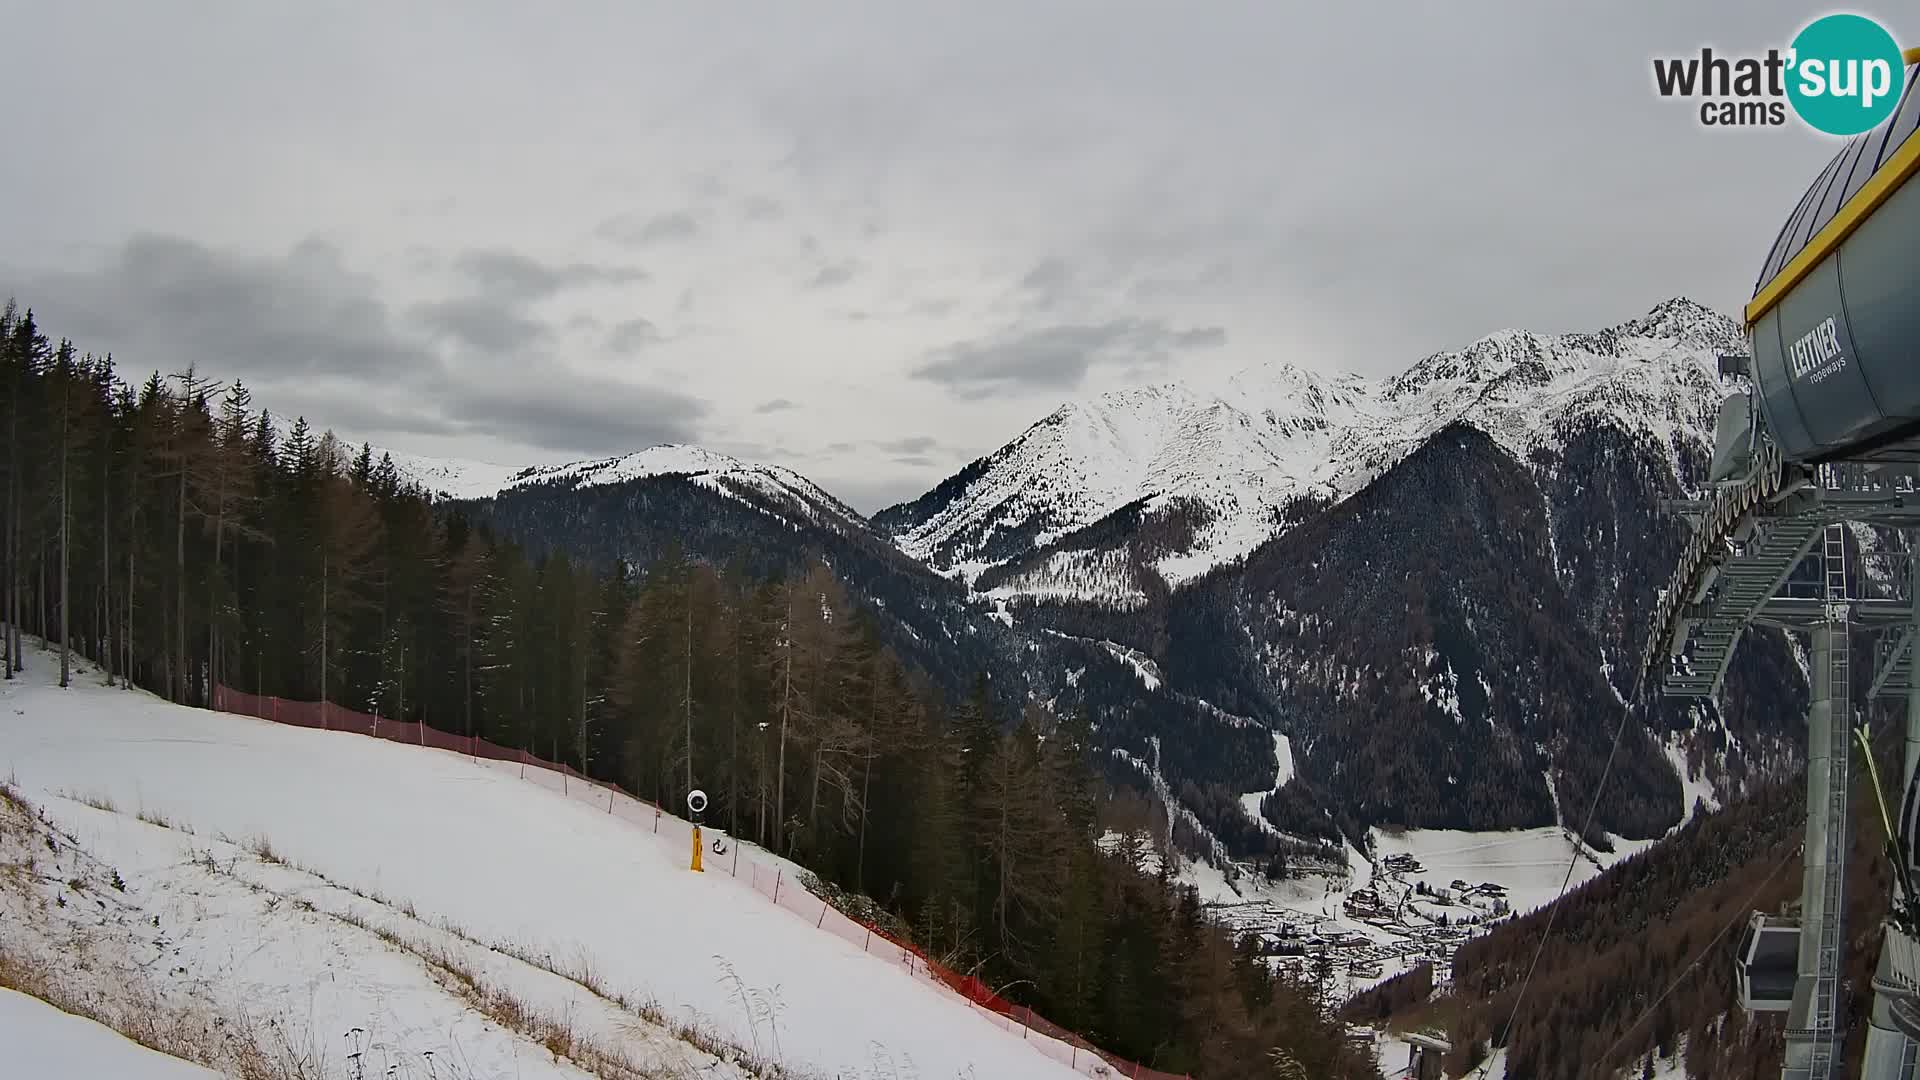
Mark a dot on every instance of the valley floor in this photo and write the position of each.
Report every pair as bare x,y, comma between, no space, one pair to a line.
1526,866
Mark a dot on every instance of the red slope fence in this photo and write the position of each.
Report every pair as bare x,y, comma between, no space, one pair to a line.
772,883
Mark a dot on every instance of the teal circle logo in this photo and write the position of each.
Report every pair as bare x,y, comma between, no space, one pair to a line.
1845,74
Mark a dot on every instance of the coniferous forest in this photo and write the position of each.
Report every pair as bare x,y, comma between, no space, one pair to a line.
171,531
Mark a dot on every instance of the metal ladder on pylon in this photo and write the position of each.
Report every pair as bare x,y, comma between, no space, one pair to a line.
1826,1000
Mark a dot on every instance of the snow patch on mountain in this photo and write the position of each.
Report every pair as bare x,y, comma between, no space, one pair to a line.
1142,664
455,478
1283,772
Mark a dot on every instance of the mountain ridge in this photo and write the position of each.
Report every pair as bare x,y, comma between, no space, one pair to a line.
1230,464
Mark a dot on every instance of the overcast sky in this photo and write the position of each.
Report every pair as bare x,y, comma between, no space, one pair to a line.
868,241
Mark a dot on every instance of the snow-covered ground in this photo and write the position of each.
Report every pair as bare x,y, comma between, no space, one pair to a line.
1529,864
38,1040
370,832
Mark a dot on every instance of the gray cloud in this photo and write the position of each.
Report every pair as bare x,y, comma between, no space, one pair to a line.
1058,357
576,413
316,339
762,209
494,317
832,276
912,444
778,404
510,275
916,460
633,231
1046,285
168,302
633,335
483,323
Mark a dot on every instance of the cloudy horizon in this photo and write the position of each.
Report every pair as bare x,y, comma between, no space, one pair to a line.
866,243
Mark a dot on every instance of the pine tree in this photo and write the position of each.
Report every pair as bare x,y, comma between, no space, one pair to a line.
70,404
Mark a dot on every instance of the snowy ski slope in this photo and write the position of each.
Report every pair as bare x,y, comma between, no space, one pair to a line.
41,1041
503,860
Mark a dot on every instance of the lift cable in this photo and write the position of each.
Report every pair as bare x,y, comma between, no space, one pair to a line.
1742,911
1553,908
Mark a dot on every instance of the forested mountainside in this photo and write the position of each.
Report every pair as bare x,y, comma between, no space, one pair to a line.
1437,667
182,540
760,532
1205,758
1663,922
1448,646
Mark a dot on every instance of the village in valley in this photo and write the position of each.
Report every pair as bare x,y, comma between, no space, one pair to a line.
1368,923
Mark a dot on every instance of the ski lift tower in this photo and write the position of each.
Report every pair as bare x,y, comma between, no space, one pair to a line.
1756,581
1825,434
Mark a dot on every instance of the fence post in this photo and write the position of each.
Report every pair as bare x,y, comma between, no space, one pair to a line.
865,944
736,856
776,882
822,920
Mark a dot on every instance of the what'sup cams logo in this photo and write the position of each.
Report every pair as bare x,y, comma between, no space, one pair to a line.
1842,76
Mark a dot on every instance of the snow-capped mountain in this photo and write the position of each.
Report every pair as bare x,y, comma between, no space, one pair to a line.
1209,476
772,488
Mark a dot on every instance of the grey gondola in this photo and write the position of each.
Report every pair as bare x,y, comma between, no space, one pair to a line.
1836,312
1766,963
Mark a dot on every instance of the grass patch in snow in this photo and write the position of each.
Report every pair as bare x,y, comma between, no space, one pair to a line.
160,820
235,1046
98,802
262,849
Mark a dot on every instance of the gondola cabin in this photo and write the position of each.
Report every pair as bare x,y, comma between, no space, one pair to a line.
1766,963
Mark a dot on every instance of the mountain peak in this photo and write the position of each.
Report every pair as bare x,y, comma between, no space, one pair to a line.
1687,322
664,459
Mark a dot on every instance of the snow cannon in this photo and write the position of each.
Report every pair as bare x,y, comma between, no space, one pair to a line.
1834,323
696,805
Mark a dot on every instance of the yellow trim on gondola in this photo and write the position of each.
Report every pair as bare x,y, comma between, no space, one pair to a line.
1904,163
1885,182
